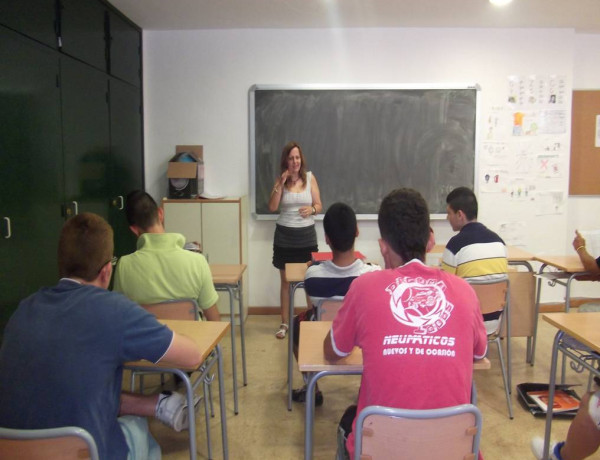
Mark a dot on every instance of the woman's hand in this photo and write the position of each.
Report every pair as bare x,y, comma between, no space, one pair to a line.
578,241
306,211
283,177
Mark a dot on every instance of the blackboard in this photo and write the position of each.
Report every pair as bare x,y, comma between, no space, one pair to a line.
361,143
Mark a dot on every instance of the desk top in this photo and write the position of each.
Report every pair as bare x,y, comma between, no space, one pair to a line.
312,359
515,254
227,274
205,334
584,327
569,264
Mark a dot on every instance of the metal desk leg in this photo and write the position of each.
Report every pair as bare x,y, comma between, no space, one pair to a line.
293,287
508,349
553,365
222,403
310,412
242,335
233,352
537,312
189,392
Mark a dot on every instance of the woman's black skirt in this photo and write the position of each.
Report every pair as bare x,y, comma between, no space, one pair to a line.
293,245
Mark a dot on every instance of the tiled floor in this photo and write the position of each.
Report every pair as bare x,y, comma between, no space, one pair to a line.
264,429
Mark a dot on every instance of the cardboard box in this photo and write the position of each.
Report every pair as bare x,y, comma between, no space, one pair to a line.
186,178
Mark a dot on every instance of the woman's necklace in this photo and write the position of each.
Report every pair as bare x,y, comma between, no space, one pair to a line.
293,181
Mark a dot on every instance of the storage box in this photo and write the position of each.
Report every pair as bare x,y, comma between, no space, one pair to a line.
185,172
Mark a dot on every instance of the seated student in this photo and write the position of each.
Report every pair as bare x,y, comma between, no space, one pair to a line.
591,264
331,278
476,252
61,361
420,328
583,438
160,269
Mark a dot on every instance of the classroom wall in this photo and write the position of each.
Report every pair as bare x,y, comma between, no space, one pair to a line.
196,92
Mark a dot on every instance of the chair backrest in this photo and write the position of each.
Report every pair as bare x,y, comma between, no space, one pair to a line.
183,309
451,433
328,308
64,443
493,296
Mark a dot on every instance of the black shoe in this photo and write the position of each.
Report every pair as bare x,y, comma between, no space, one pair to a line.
299,395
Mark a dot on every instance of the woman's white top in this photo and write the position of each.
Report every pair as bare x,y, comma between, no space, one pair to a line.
291,203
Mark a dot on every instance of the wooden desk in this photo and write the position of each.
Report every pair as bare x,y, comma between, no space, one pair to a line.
585,327
311,359
229,278
206,335
294,274
570,268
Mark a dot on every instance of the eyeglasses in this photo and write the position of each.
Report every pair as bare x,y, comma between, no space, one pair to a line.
113,261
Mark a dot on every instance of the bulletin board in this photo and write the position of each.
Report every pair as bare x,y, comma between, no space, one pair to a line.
585,145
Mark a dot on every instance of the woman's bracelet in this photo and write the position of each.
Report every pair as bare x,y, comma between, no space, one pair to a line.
275,190
582,246
314,210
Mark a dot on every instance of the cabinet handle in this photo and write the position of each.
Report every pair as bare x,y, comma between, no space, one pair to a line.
121,203
75,208
8,229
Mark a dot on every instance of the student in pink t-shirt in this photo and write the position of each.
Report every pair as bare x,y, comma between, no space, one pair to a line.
420,328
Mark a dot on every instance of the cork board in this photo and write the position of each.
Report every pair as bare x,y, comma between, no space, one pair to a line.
585,155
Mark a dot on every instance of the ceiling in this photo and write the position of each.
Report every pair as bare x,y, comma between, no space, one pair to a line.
581,15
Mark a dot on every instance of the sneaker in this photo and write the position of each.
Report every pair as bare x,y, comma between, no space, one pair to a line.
537,447
299,395
171,409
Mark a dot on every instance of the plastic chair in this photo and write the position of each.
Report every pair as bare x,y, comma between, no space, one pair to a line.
450,433
64,443
328,308
494,296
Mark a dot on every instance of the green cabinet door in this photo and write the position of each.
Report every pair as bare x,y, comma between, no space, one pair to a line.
127,167
31,190
82,31
85,126
34,18
125,50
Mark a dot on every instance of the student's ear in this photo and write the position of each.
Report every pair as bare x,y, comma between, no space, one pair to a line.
161,216
383,248
357,232
327,240
136,230
105,275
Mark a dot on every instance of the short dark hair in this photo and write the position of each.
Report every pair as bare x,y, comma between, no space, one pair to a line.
85,246
141,209
463,199
339,224
404,223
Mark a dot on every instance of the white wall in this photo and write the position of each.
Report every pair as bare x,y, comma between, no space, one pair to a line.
196,92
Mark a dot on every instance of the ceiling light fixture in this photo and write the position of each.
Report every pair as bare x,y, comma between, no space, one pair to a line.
500,2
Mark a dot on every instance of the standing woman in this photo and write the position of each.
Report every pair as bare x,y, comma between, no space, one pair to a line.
296,194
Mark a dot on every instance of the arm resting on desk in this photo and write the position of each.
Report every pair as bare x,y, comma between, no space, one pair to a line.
328,350
588,261
183,352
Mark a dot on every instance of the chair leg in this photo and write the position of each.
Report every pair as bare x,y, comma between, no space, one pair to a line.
504,378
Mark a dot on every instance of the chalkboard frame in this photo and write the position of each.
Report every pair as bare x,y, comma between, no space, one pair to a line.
314,87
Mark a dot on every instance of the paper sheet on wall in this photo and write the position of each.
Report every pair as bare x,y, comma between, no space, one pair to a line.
553,122
512,233
549,202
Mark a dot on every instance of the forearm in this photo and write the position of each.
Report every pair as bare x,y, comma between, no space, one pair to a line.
588,261
328,350
275,198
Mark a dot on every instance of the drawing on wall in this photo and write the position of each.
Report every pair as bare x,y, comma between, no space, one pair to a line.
521,189
512,233
549,202
554,121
